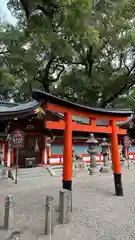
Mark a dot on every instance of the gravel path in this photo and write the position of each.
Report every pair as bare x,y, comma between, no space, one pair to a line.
97,213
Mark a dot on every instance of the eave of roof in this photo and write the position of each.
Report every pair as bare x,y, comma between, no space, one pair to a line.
12,109
126,123
40,95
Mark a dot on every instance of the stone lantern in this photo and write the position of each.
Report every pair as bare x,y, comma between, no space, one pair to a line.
92,144
105,151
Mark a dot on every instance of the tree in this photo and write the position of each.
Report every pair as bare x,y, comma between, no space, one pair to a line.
37,50
85,51
106,69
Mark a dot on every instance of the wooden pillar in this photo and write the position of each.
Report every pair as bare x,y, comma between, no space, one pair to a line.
67,162
12,158
6,153
8,156
49,153
116,161
44,150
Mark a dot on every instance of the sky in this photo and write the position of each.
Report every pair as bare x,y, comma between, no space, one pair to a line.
5,13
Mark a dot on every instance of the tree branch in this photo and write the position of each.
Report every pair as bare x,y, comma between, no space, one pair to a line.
46,12
123,88
74,63
120,61
117,94
59,74
126,66
128,84
131,69
90,61
48,65
45,79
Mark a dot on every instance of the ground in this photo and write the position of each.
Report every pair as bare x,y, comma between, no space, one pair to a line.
97,212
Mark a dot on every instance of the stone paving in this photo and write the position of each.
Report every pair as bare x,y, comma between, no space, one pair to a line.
97,213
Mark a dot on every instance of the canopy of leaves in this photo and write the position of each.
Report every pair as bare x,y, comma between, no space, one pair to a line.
86,51
106,67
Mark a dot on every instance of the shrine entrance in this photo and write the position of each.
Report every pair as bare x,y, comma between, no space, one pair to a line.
32,150
31,154
69,109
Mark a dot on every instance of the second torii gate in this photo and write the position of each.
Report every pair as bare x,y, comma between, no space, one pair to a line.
70,109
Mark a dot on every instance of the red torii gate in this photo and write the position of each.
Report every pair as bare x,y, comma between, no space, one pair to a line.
55,104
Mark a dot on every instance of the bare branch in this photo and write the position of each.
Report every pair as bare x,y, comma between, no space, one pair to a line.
90,61
47,68
122,89
74,63
128,84
126,66
120,61
132,68
59,74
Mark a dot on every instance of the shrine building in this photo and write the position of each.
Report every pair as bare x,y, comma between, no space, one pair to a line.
40,124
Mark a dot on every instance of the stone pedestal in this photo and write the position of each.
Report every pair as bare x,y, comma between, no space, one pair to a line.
105,168
9,218
50,216
11,175
65,206
93,168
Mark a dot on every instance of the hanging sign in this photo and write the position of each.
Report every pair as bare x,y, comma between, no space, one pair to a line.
17,139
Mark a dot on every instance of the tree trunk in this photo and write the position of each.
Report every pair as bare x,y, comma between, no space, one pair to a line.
46,85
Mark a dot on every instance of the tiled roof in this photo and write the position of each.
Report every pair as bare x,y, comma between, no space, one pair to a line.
8,108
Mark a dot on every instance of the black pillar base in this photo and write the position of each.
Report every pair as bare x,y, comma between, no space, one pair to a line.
118,184
67,185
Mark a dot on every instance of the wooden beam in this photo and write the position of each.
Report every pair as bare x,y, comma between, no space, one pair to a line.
60,109
121,131
83,128
55,125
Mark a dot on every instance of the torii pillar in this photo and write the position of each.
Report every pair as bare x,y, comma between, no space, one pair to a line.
116,160
67,163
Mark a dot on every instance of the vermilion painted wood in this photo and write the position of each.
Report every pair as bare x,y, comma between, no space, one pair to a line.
115,150
5,152
43,148
83,127
67,165
57,108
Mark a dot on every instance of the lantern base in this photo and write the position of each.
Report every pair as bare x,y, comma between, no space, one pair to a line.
93,171
105,169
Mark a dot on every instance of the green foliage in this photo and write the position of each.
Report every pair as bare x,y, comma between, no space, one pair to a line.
107,63
6,82
87,51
